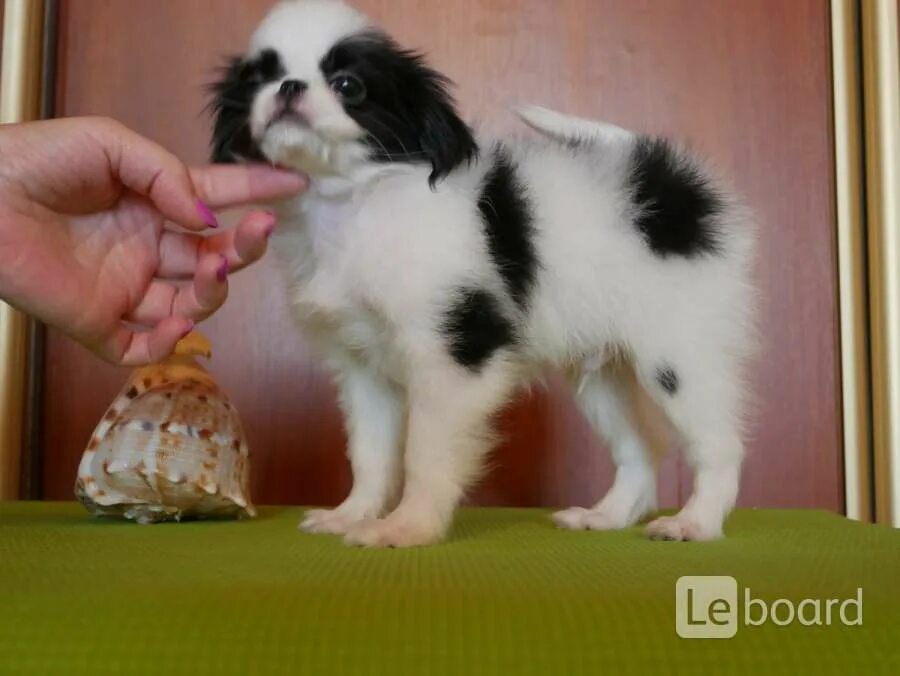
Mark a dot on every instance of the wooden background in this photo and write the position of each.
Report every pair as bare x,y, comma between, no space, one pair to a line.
746,81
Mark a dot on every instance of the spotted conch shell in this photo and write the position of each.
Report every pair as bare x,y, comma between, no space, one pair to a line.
170,446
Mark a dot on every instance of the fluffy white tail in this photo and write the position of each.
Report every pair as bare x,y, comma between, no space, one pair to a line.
567,128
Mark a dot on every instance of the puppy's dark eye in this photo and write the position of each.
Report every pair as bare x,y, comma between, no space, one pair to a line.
349,87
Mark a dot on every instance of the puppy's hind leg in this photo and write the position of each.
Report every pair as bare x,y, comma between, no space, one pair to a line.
703,402
607,398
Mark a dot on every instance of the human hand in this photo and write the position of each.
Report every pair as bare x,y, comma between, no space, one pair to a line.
83,245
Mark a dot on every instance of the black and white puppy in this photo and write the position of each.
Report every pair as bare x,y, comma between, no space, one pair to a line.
437,274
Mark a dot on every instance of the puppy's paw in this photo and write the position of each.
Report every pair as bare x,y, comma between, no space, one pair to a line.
572,518
681,527
333,521
579,518
394,531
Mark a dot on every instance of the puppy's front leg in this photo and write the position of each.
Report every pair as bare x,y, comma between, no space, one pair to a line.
449,434
373,410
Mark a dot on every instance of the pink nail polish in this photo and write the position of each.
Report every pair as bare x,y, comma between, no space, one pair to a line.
207,215
222,272
190,327
270,228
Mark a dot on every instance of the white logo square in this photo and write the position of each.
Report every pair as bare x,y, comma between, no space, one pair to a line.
706,606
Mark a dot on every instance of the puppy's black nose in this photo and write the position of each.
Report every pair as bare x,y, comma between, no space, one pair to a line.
291,89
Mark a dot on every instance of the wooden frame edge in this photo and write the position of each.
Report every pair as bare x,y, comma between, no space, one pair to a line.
851,254
20,100
881,72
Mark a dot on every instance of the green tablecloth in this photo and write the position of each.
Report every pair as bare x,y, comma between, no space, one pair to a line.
508,593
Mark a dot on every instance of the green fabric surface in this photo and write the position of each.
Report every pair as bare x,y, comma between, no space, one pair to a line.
507,594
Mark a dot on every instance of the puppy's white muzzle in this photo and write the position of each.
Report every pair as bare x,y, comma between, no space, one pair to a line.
298,147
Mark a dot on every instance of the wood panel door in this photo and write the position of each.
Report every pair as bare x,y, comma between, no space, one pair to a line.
746,82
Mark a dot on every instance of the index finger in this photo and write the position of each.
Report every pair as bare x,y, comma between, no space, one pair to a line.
152,171
229,185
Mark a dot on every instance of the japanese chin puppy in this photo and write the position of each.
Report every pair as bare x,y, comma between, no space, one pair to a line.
437,273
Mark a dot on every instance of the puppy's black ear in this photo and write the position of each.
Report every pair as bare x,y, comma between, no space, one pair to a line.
408,113
445,139
231,99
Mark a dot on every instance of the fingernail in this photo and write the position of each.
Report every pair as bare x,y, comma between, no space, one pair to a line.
222,272
190,327
207,215
270,228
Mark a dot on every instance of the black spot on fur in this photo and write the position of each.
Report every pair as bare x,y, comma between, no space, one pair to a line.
667,379
674,200
476,328
507,218
132,392
407,112
232,98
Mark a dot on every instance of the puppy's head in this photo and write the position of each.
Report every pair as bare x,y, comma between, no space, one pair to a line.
323,91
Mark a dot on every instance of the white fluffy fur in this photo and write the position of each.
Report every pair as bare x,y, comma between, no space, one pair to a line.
372,254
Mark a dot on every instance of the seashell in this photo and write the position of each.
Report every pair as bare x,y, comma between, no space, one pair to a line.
170,446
